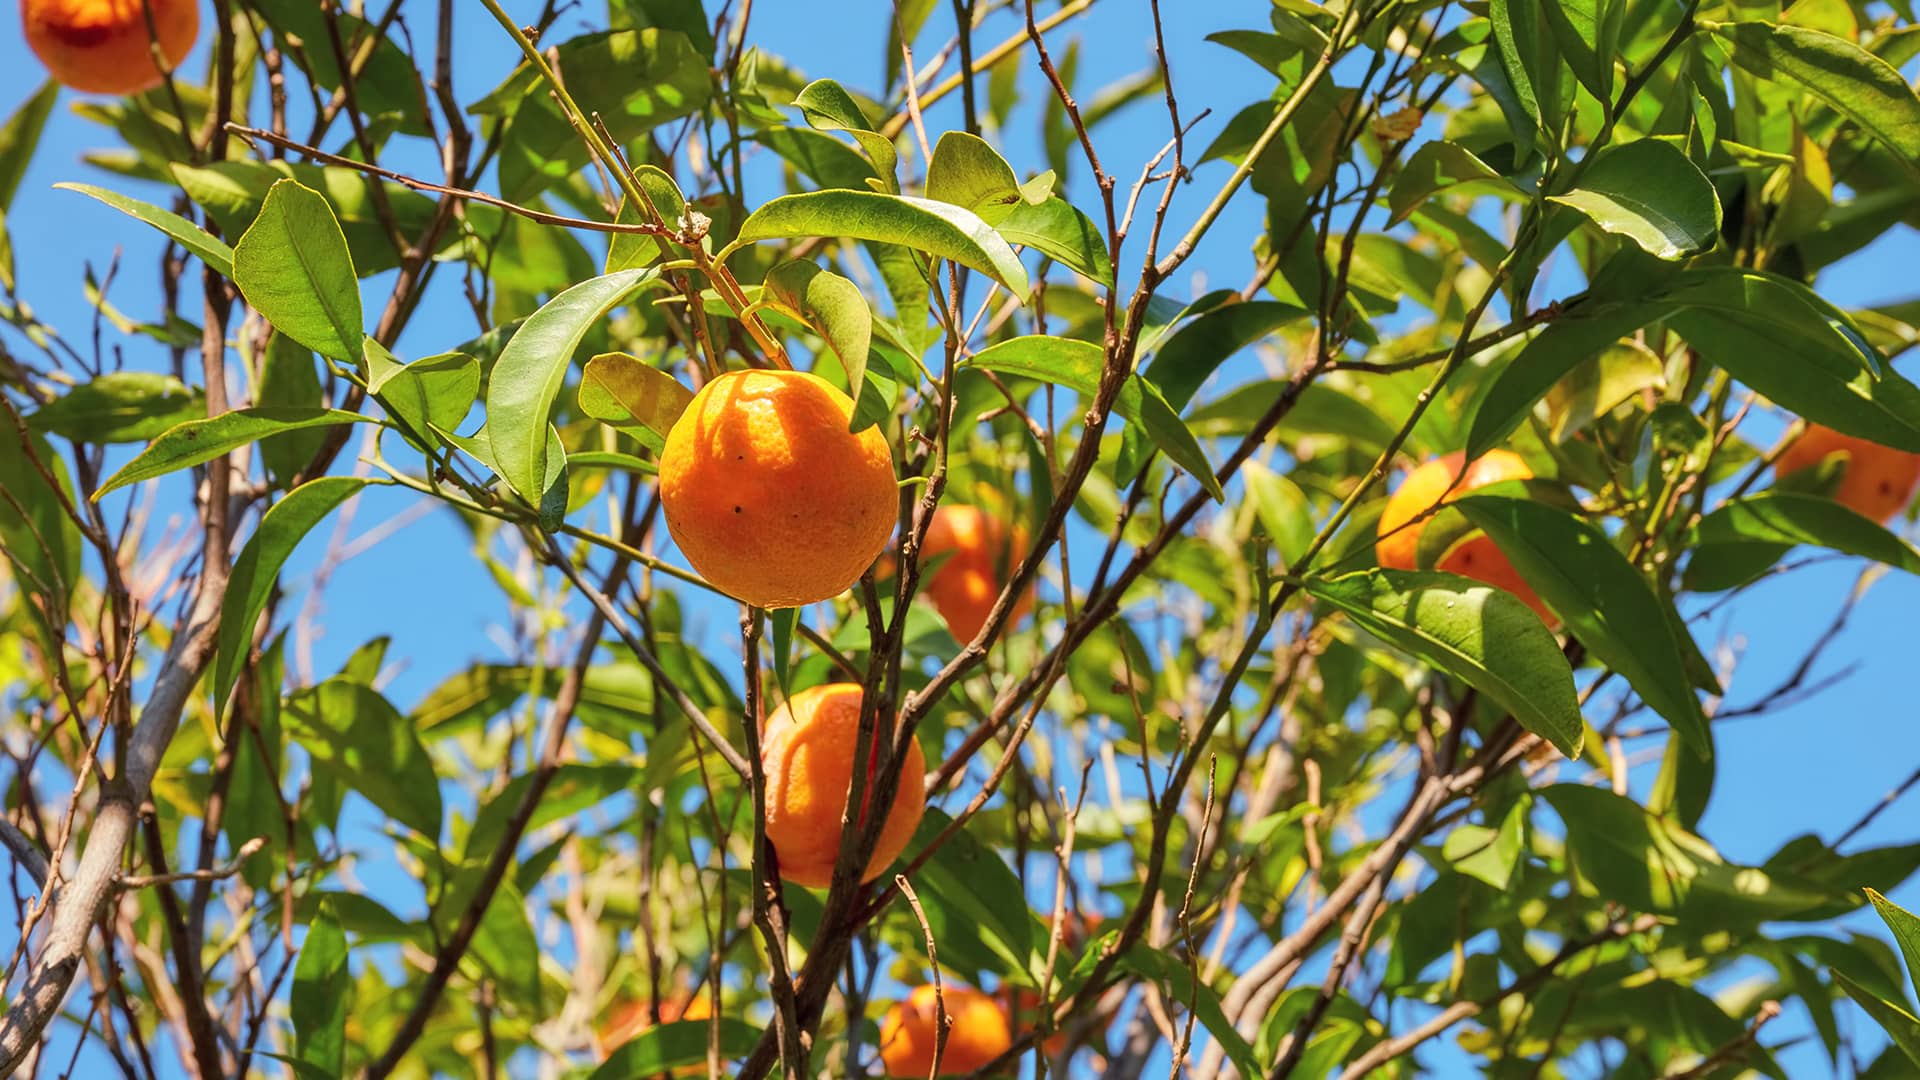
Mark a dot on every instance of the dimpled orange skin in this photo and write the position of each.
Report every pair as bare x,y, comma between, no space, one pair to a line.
1477,558
907,1033
103,46
808,753
1877,482
978,555
767,493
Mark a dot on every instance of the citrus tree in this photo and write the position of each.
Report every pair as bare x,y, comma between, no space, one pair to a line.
938,634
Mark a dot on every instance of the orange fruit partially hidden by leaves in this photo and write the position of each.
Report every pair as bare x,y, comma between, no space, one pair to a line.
977,552
908,1032
808,753
628,1017
1875,481
768,494
105,46
1476,557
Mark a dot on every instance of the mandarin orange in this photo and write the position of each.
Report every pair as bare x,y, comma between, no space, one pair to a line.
105,46
908,1032
976,552
1875,482
1432,483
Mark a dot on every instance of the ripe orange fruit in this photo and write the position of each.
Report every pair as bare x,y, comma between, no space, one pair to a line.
1876,482
979,552
978,1035
767,493
808,754
628,1017
1478,557
104,46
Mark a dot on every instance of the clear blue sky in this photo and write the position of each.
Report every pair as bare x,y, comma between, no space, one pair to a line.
1811,768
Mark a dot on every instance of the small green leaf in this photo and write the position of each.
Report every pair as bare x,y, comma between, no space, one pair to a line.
212,251
921,224
120,407
1282,509
677,1044
1900,1025
531,369
629,393
1489,854
198,441
1860,85
258,568
1436,167
356,737
293,266
1588,33
1057,229
1077,366
432,392
1790,518
322,995
828,107
1603,600
971,175
627,251
1650,192
832,306
1906,930
1473,632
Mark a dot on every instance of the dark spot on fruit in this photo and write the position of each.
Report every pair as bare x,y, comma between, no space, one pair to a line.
736,509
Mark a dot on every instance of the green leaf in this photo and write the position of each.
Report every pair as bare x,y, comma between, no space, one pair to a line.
1077,365
1440,166
1790,518
1282,508
969,174
119,407
677,1044
1650,192
20,137
531,369
41,540
1177,984
627,251
1533,74
972,885
358,738
1588,34
832,306
1906,930
827,106
257,569
288,381
1900,1025
921,224
1860,85
1476,633
212,251
1489,854
1057,229
387,82
633,395
1603,600
293,266
322,994
199,441
634,80
432,392
1554,352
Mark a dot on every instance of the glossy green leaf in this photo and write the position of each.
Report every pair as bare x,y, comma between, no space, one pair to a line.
119,407
971,175
1893,1017
1544,361
387,81
211,250
1790,518
677,1044
531,369
827,106
1906,930
1441,166
970,883
199,441
1860,85
1282,508
257,569
1057,229
357,738
833,306
431,392
322,995
629,393
920,224
288,380
1588,34
1478,634
1077,365
1650,192
1603,600
293,266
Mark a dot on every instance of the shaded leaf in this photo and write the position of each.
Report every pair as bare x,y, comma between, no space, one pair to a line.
1863,87
676,1044
1788,518
1439,166
358,738
120,407
833,306
1058,230
322,995
629,393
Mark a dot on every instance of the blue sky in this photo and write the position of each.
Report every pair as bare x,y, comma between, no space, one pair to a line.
1814,767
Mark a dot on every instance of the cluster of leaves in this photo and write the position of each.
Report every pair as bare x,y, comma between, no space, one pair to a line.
1401,782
